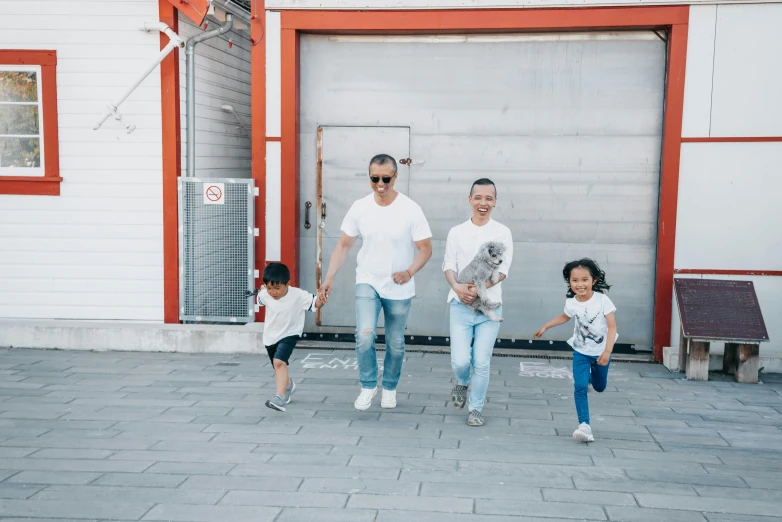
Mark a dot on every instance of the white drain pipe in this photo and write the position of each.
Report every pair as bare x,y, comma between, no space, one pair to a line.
173,42
190,90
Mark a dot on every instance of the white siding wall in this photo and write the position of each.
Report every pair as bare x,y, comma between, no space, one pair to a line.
96,251
222,78
729,212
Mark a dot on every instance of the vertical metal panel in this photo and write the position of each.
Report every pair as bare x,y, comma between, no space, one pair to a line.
567,125
216,255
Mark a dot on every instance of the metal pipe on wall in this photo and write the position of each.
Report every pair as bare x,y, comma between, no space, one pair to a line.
174,42
190,88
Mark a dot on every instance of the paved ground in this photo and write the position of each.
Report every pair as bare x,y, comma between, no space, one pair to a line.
157,437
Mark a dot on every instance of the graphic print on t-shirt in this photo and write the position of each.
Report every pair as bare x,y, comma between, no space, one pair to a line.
591,328
587,329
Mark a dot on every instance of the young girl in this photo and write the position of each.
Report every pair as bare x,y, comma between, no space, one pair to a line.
594,334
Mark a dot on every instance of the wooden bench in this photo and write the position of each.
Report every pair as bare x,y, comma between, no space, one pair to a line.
715,310
741,359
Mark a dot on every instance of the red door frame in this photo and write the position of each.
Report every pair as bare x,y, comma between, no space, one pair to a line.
293,23
171,137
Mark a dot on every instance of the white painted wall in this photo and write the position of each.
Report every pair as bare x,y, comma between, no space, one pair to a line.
223,149
733,75
696,121
746,97
96,251
728,209
273,130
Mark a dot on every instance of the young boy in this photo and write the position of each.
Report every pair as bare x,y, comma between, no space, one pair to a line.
285,307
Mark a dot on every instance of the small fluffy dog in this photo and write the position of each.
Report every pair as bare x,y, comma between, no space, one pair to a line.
484,267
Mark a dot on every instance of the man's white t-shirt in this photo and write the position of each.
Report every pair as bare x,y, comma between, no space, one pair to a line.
591,328
285,316
463,244
389,235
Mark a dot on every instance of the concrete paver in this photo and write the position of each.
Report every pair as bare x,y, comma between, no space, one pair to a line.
171,437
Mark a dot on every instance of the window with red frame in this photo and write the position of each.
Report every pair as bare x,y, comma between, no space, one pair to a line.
29,155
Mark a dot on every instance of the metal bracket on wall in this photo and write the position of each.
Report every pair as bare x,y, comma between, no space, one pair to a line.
663,37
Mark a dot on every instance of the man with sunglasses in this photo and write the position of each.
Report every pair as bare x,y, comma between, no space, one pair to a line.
396,244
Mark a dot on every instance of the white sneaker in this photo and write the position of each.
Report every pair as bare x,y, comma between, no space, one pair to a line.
388,400
364,400
583,433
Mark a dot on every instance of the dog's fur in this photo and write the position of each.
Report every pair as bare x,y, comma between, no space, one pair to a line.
484,267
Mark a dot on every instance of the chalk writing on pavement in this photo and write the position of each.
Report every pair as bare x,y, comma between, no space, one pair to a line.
544,370
327,361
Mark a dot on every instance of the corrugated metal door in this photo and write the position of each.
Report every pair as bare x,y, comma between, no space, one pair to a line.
567,125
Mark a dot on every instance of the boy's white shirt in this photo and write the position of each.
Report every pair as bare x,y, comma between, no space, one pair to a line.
463,244
285,316
591,328
389,235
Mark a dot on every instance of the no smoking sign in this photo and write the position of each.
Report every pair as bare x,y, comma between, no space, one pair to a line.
214,193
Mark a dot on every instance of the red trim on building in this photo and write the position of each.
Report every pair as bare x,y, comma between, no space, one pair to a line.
290,149
49,183
258,126
747,139
711,271
172,165
669,186
494,21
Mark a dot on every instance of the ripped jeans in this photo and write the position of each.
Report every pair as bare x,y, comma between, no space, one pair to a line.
368,306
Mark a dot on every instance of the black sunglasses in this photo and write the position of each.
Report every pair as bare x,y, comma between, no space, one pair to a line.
386,179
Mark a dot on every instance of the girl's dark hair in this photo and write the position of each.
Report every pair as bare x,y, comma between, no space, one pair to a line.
276,274
598,275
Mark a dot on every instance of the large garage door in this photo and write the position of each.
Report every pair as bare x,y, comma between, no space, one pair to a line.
567,125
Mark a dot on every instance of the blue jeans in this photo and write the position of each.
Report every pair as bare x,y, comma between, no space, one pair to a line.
368,305
472,342
586,371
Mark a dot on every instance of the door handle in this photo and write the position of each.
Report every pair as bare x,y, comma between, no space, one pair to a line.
307,207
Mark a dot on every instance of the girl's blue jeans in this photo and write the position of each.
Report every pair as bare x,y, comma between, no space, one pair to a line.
585,371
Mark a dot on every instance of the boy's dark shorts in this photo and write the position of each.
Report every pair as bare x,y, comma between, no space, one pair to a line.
282,349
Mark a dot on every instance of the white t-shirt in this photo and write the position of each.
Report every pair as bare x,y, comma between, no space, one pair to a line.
463,244
285,316
591,328
389,235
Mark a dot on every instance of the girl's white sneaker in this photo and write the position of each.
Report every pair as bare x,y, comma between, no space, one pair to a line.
583,433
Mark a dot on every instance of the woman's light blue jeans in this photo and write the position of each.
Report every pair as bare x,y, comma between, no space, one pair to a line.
472,342
368,306
585,371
